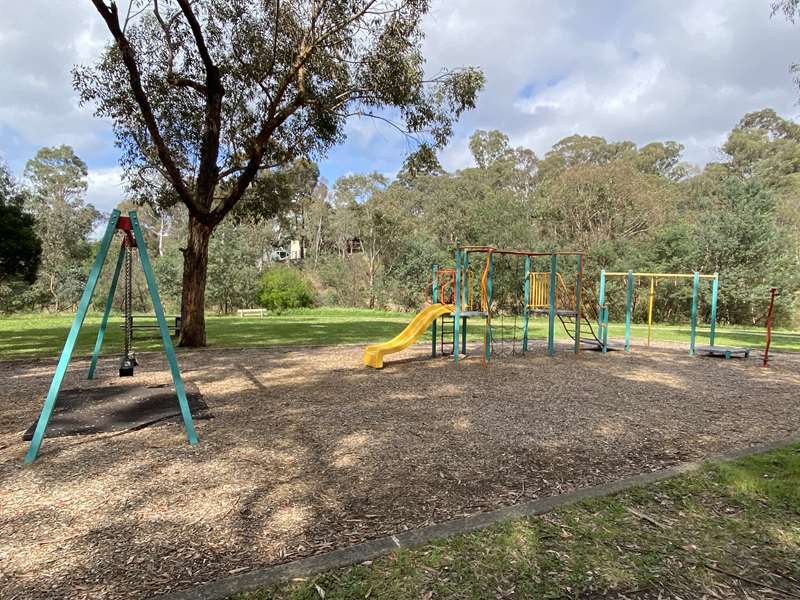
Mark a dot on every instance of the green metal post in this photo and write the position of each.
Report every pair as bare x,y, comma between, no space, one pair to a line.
526,310
714,294
457,294
180,391
72,336
578,305
488,336
465,283
109,302
628,310
434,299
602,323
551,329
695,290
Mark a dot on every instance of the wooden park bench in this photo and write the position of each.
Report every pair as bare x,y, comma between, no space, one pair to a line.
173,324
252,312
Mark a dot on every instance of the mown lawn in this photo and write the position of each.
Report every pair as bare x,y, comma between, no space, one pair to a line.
44,334
728,531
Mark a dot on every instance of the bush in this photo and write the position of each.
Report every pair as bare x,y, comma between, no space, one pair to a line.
284,287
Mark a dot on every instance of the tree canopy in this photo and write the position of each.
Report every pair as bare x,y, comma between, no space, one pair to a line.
205,96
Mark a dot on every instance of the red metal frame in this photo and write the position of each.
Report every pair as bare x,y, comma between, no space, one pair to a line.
124,225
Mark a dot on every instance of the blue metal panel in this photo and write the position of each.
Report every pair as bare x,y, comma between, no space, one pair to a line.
109,302
162,326
72,336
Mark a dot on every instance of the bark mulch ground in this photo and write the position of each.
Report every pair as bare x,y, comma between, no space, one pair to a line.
310,451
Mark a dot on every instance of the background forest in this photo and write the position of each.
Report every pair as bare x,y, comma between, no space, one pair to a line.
369,241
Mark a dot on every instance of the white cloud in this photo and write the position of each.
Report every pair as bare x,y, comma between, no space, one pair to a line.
684,70
666,69
106,188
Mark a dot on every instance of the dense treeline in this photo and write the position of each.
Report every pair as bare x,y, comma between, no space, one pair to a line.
369,241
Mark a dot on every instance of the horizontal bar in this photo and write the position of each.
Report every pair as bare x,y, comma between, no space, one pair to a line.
662,275
494,250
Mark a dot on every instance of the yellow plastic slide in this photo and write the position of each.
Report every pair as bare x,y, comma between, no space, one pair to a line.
373,355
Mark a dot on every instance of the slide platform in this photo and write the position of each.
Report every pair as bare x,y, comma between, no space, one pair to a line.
373,355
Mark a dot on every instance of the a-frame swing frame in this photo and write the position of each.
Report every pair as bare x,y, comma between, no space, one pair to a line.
134,238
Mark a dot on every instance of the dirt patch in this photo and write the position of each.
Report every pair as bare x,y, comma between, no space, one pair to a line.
310,451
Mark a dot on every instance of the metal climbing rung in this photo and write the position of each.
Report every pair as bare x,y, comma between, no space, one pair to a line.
448,325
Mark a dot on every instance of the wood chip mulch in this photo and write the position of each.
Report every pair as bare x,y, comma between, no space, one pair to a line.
310,451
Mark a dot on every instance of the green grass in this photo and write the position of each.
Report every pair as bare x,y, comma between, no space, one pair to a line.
44,334
714,533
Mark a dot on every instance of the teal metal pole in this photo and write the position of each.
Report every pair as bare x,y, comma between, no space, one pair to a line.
465,282
526,310
488,335
714,295
695,290
551,329
434,299
180,391
72,336
628,310
457,294
578,305
602,325
465,286
109,302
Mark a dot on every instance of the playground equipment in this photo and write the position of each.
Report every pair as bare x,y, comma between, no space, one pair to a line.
132,238
630,277
538,303
373,355
533,293
543,293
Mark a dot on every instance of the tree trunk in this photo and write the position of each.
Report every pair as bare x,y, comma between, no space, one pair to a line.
195,273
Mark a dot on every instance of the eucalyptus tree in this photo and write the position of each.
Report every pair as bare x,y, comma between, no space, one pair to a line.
207,95
57,181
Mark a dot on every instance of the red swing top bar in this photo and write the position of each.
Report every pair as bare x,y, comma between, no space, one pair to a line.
124,224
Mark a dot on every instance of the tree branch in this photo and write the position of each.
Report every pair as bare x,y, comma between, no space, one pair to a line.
111,16
172,77
208,170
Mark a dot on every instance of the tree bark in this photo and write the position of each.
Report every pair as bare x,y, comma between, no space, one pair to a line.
195,272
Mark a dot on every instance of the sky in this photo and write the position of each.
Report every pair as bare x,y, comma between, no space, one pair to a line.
684,70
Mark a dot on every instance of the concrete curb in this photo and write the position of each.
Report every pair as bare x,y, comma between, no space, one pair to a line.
358,553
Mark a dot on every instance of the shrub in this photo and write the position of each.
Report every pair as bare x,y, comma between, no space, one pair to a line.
284,287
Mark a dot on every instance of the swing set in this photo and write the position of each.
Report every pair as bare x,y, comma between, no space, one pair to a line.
132,241
630,277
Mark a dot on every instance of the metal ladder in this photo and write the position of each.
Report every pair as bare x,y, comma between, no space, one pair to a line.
448,328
